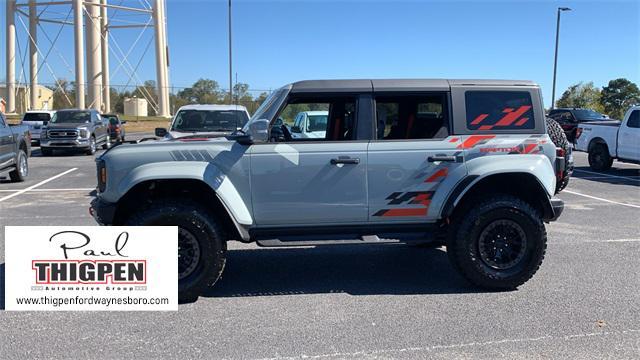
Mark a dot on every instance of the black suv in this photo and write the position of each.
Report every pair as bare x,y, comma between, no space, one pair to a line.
569,118
75,129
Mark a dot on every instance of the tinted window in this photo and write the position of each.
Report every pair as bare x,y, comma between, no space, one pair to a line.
634,119
113,120
411,117
499,110
44,117
586,114
72,117
2,122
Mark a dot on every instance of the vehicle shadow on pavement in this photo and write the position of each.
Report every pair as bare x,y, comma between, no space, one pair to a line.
2,295
355,270
627,176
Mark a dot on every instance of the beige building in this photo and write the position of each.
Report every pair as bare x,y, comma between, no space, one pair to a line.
135,107
23,98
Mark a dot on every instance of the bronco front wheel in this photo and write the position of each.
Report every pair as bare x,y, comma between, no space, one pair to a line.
498,243
201,246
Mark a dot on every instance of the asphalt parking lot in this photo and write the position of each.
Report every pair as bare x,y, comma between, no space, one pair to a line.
358,301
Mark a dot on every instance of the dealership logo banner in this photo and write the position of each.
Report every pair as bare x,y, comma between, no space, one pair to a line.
91,268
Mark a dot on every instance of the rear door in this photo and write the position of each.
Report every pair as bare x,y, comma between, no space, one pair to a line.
302,181
629,137
413,159
7,147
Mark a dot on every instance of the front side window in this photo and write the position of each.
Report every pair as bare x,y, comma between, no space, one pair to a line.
315,120
634,119
411,117
499,110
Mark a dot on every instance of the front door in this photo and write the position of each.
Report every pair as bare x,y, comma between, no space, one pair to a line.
411,157
7,153
629,137
312,181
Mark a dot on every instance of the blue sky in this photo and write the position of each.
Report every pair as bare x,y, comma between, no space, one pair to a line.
276,42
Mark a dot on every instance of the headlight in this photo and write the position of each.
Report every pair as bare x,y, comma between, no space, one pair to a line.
84,133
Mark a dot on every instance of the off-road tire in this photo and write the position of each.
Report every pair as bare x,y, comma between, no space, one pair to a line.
599,158
559,139
463,243
46,151
22,168
202,224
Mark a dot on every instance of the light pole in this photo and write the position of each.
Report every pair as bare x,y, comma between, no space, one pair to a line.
230,63
555,59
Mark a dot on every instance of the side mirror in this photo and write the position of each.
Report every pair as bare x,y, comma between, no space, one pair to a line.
161,132
123,122
296,129
259,130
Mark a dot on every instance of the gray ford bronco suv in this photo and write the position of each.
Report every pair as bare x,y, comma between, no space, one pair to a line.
465,163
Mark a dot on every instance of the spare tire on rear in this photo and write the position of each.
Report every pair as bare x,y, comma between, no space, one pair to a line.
559,139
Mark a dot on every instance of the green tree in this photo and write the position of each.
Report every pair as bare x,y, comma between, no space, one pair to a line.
203,91
64,96
581,95
618,96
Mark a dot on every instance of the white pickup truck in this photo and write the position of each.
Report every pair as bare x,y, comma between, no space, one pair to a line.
609,140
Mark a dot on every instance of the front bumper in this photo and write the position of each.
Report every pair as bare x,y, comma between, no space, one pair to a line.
557,206
103,212
65,143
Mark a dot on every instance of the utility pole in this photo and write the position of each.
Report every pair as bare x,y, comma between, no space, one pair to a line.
230,60
11,57
33,55
555,59
161,58
94,53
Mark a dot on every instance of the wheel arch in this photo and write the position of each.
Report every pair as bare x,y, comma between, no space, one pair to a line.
145,192
523,185
596,141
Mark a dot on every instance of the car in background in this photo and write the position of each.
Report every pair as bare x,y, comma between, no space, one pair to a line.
609,140
310,125
569,118
115,127
74,129
35,120
15,149
205,121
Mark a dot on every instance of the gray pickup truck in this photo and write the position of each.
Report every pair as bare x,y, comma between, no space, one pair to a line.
74,129
465,163
15,149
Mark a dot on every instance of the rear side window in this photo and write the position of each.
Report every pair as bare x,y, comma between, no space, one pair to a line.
499,110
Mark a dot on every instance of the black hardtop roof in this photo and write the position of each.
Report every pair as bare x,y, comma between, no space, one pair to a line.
359,85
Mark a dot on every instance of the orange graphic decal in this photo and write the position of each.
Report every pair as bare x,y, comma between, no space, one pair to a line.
472,140
406,212
512,115
479,119
437,175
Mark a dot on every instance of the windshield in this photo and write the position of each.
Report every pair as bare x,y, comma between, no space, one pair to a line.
270,105
44,117
71,117
209,120
317,123
587,114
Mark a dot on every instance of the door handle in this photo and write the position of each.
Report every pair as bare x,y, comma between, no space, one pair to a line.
346,160
442,158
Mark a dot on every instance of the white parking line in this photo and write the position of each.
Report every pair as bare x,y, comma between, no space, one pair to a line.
601,199
36,185
602,174
50,190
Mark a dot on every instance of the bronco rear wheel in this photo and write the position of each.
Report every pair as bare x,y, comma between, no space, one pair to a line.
201,246
498,243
